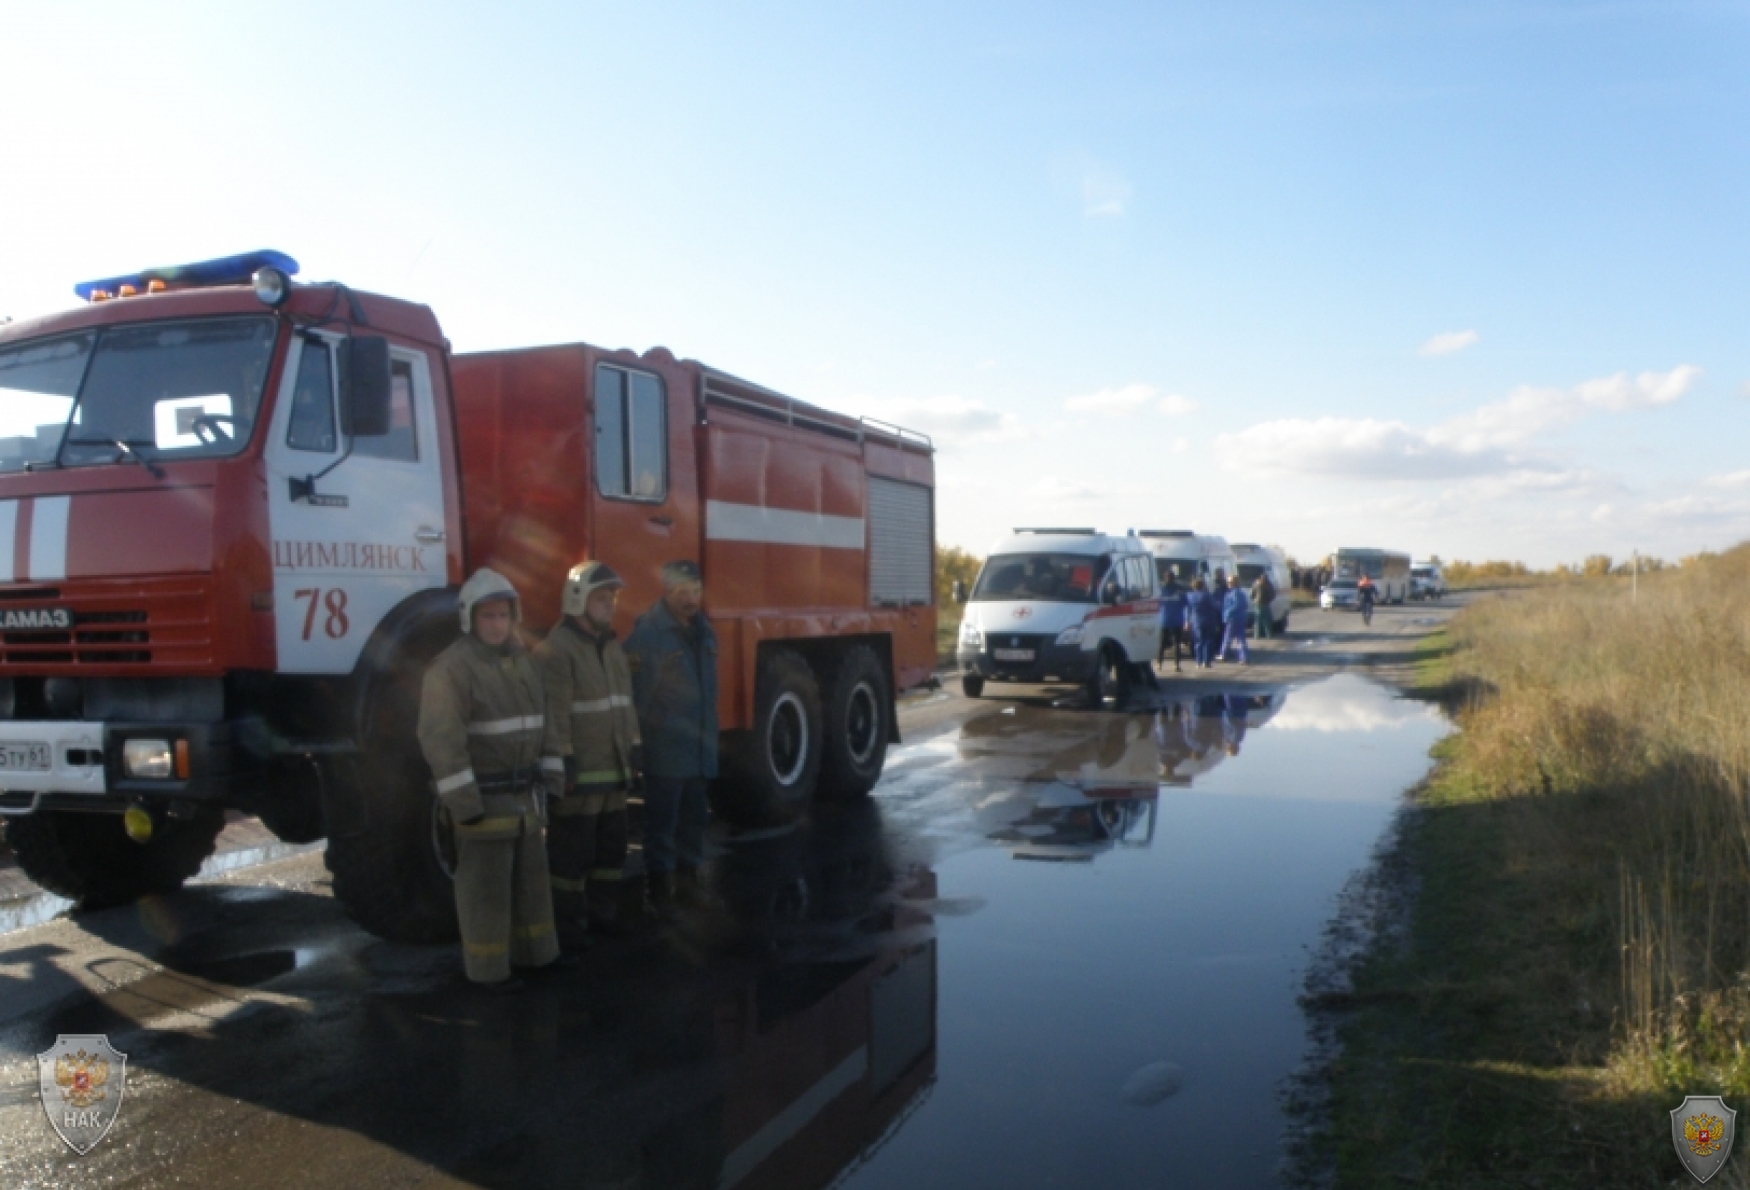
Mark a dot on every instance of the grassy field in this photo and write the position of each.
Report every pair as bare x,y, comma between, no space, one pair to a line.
1576,955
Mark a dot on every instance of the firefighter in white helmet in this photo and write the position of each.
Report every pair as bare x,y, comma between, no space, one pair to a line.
592,732
481,727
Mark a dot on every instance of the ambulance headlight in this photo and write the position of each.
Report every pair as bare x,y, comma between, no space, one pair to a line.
148,758
970,635
1070,636
272,287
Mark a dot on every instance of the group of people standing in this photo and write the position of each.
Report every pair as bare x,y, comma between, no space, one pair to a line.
1211,618
534,754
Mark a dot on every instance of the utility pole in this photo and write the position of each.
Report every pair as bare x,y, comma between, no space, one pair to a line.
1634,582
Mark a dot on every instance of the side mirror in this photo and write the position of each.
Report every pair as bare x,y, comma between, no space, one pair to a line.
364,386
959,590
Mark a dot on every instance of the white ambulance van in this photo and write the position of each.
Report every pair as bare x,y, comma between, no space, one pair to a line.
1062,605
1190,555
1261,559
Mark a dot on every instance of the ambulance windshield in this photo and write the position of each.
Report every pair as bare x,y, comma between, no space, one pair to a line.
171,389
1056,578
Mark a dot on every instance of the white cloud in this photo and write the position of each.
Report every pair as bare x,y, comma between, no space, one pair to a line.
1449,341
1128,399
1105,194
1487,441
1601,514
1355,448
1181,446
1051,487
949,420
1529,410
1734,479
1112,400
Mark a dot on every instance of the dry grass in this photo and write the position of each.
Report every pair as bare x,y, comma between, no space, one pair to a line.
1647,701
1578,956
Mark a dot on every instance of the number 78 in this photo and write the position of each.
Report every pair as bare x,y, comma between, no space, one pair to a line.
335,625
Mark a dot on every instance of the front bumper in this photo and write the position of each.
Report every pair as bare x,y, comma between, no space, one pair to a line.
1051,663
84,763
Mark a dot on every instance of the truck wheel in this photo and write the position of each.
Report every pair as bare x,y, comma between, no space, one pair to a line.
89,859
855,718
1110,683
775,764
385,868
972,686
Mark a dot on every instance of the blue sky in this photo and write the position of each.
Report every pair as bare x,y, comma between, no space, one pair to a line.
1461,279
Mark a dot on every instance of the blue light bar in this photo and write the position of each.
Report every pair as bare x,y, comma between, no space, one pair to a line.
226,270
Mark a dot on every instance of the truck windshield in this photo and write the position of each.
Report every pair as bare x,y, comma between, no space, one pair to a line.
1056,578
170,389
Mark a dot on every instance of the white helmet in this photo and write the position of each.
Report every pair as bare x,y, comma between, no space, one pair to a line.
483,586
585,579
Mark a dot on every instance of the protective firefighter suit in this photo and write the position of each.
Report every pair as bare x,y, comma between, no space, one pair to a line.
592,734
481,727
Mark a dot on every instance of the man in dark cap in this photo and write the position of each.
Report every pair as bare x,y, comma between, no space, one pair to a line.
673,654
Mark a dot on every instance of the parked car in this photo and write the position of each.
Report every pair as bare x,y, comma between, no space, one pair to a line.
1340,592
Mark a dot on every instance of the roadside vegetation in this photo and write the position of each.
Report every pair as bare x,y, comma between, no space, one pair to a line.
1576,955
953,564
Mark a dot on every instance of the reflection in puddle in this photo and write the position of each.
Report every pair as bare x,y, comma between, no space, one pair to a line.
1163,975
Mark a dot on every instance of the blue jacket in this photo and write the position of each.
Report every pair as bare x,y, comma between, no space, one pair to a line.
1202,613
1235,606
1172,607
674,688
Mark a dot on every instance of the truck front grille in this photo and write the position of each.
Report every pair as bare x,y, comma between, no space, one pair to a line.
167,623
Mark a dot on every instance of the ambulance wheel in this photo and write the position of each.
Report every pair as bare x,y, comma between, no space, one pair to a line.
773,767
856,730
1110,684
88,858
972,686
386,870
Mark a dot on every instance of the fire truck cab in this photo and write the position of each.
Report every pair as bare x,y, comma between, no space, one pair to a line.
234,513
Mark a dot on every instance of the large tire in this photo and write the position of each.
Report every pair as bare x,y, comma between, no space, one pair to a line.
88,857
855,726
972,685
1109,685
386,869
773,767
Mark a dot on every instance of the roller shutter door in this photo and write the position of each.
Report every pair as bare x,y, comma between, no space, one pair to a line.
900,561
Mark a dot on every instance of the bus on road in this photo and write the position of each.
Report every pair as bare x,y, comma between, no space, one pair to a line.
1389,570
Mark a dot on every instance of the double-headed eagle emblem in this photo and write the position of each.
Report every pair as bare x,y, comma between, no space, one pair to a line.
1703,1132
81,1077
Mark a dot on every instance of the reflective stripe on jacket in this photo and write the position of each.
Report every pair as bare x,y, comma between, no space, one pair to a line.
480,713
591,718
674,688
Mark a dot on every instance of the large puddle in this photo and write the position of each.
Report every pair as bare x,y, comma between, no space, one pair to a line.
1057,948
1121,1009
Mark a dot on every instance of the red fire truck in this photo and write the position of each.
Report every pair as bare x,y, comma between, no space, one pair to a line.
234,513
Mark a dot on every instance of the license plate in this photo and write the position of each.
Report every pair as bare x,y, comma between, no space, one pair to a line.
1012,654
20,757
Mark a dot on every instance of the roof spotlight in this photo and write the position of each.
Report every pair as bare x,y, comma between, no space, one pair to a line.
271,285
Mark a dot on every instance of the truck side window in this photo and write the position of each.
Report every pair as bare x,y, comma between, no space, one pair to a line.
631,434
402,441
311,426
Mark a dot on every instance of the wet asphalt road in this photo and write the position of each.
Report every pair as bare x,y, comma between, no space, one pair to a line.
1056,948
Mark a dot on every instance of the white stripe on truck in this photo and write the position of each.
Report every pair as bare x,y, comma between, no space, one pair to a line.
781,526
48,539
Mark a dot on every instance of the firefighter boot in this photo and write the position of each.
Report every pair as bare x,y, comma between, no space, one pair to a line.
604,910
659,889
691,893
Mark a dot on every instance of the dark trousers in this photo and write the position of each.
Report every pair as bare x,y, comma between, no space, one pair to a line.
674,823
586,853
1174,637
